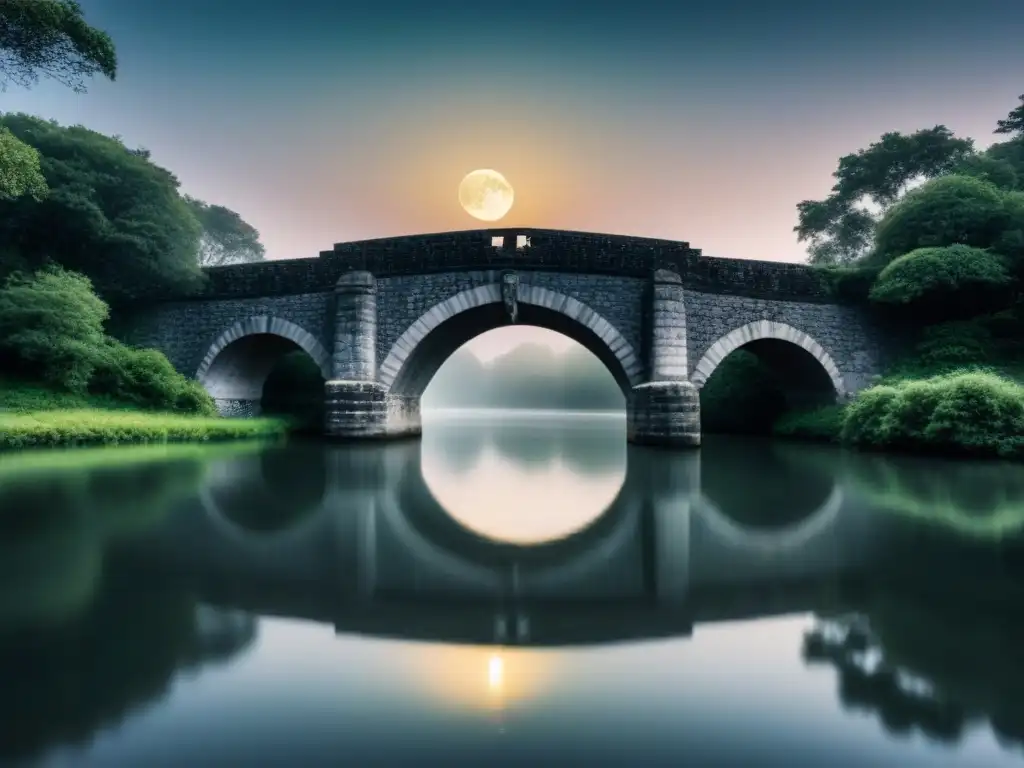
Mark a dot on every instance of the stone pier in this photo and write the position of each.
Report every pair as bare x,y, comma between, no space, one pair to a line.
665,410
355,405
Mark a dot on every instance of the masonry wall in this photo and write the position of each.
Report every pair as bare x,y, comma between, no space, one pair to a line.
847,333
184,330
402,300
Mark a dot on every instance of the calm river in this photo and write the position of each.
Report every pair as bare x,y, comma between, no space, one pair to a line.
509,591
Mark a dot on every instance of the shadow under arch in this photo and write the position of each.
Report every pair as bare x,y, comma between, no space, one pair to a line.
267,498
237,363
792,353
804,497
429,529
420,351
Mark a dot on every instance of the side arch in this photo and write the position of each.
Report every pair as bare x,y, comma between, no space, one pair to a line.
600,336
765,329
220,371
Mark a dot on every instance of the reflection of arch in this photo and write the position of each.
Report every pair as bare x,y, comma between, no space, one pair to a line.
240,471
239,360
788,538
764,329
432,521
408,367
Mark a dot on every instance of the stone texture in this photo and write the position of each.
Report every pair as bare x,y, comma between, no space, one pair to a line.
847,334
355,409
354,355
667,347
403,416
237,408
664,413
185,330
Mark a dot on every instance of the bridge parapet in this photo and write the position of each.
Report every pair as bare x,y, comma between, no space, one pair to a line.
542,250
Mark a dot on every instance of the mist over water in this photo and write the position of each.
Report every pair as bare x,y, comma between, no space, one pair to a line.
507,588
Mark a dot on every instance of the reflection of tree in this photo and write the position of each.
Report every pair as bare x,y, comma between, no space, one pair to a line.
59,687
531,446
51,551
935,661
458,446
54,527
596,449
130,499
756,483
984,499
272,490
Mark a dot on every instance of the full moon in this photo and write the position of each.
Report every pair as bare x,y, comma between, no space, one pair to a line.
486,194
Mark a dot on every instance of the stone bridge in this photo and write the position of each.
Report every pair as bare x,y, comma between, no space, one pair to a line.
379,317
365,547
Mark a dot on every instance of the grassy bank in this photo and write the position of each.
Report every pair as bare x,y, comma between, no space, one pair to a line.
33,416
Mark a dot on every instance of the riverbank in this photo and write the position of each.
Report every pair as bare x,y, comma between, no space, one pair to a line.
960,413
32,416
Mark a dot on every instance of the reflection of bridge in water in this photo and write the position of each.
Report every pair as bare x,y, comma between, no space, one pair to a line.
362,544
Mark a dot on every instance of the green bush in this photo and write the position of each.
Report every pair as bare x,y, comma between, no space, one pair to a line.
51,325
969,413
146,378
954,344
823,424
950,210
850,284
742,396
950,282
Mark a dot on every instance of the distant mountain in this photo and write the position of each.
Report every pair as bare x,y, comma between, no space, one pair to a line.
528,376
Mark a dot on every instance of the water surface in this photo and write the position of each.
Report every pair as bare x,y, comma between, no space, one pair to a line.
509,591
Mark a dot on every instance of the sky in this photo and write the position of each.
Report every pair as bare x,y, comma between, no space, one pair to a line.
324,121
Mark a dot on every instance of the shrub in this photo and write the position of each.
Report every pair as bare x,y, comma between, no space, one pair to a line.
51,324
742,395
824,424
969,413
146,378
950,282
950,210
954,344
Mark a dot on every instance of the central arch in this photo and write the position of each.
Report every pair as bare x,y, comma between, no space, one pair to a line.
420,351
767,332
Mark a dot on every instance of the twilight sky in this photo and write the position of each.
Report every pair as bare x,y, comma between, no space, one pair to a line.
321,121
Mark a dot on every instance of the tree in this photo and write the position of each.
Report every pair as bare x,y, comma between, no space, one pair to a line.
946,211
112,214
957,280
19,169
1014,122
51,325
839,228
50,37
226,238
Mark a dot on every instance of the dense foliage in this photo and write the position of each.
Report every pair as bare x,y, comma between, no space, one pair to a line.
946,260
50,37
51,330
226,238
943,283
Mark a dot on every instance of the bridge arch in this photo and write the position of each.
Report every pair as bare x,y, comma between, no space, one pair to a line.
786,539
766,331
423,347
239,360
